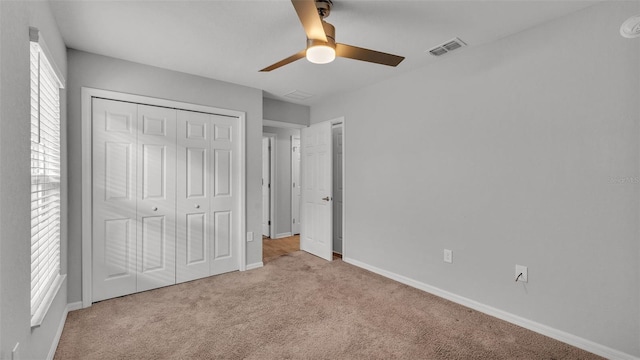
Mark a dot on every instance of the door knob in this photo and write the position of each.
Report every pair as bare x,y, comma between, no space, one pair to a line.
154,208
197,206
326,198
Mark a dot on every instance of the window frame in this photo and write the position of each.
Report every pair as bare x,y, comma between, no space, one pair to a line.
46,179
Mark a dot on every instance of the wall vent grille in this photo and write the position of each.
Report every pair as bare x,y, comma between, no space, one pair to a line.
446,47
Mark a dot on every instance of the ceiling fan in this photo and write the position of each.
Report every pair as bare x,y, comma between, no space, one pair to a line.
321,39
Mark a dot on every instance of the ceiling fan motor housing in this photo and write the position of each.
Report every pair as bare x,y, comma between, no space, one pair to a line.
330,31
324,8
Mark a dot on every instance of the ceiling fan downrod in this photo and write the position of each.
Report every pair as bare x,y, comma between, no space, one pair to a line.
324,8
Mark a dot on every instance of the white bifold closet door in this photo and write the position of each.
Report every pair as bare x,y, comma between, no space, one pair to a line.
207,201
156,214
114,199
225,207
194,223
164,206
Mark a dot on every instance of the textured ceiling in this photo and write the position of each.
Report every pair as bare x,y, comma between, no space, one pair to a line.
231,40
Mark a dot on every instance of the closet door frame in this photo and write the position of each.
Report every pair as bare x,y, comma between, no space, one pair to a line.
87,94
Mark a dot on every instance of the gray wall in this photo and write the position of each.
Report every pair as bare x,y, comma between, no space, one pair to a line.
283,177
95,71
285,111
15,190
523,151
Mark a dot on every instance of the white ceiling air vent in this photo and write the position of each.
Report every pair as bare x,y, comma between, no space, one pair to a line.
446,47
298,95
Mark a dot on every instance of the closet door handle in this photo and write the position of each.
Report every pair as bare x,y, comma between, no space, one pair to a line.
154,208
197,206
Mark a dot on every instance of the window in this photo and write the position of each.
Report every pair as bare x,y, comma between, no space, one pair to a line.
45,182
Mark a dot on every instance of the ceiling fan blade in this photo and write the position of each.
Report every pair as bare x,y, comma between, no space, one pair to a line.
311,22
286,61
358,53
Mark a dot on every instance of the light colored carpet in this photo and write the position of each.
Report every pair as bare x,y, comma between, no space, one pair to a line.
296,307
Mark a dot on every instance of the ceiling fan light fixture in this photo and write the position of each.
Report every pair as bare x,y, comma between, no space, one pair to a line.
321,39
321,54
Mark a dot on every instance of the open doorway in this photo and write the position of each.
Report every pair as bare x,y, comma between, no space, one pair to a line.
286,167
281,216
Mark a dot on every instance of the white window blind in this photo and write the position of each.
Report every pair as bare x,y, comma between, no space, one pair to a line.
45,183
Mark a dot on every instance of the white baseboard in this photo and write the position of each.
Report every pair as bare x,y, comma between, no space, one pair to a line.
283,235
56,339
560,335
74,306
254,266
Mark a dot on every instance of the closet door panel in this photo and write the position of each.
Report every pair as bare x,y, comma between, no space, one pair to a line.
156,209
224,203
193,196
114,198
222,236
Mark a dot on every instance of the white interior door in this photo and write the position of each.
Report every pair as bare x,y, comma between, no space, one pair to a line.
337,188
156,205
225,204
316,230
295,185
114,198
193,196
266,179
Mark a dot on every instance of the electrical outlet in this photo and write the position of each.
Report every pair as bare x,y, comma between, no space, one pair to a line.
520,269
448,256
250,236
